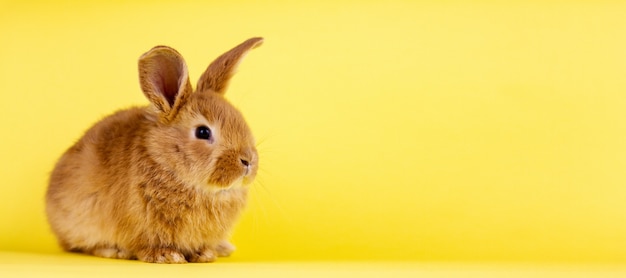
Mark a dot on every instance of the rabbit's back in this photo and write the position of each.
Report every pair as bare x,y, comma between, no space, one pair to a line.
91,184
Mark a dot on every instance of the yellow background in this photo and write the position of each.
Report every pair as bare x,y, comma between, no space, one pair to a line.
391,130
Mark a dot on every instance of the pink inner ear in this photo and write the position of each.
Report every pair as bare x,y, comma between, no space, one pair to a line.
167,79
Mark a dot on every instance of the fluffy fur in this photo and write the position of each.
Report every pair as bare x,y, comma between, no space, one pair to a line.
140,185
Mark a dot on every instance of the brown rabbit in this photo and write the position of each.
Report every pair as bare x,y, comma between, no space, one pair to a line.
163,183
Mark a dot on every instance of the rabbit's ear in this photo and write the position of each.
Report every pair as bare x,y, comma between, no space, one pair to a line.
217,75
164,80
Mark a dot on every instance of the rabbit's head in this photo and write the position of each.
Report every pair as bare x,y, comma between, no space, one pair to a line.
199,135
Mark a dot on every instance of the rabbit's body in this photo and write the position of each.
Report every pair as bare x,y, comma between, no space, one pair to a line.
146,183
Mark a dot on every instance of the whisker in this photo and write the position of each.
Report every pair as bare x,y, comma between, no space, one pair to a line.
261,141
281,209
265,172
255,214
263,210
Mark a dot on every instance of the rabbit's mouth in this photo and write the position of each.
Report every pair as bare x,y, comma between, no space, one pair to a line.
236,183
240,182
243,181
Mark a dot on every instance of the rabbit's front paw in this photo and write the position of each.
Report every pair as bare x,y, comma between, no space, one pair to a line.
224,249
206,255
112,253
161,255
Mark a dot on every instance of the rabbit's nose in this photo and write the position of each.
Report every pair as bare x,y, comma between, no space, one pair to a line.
244,162
247,157
246,166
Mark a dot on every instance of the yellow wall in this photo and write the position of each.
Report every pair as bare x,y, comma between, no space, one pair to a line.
400,130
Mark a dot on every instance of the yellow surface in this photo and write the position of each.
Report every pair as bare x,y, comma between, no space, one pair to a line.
390,130
69,265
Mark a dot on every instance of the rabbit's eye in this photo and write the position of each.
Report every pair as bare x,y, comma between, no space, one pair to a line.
203,132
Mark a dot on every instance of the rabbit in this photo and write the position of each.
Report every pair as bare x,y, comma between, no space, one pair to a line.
163,183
